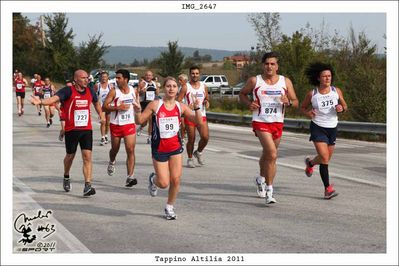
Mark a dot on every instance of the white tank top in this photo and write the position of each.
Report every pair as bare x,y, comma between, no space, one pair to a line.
120,117
200,93
324,107
102,93
269,99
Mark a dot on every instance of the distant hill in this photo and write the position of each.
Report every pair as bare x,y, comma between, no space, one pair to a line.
127,54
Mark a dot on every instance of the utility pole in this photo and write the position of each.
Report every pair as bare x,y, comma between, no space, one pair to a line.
42,31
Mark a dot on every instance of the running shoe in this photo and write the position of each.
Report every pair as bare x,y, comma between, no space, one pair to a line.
102,141
148,140
51,121
111,168
39,113
67,184
48,124
308,169
183,143
170,213
260,186
88,191
106,139
190,163
269,197
330,192
198,155
130,181
19,114
139,130
22,111
152,188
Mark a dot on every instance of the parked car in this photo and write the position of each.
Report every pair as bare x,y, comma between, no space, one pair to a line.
233,91
214,82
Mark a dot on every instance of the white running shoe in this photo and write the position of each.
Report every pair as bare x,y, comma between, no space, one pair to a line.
198,155
190,163
260,186
111,169
152,188
269,197
106,139
170,213
102,141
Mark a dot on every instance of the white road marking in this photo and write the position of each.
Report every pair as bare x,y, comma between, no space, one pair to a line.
24,202
353,179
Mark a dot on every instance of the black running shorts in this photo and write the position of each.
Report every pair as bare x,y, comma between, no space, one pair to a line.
20,94
82,137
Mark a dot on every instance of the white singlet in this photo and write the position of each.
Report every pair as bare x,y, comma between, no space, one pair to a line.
200,93
269,98
120,117
102,93
324,107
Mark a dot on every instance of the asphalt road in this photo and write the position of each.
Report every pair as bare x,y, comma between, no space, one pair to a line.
218,210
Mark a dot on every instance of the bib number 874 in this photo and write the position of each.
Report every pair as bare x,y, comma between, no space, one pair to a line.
270,111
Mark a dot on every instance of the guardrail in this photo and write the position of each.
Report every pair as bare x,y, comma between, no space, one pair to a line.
343,126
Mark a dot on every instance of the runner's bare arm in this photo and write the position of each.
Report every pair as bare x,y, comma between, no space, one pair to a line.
142,116
182,92
306,104
99,111
35,100
107,102
249,86
206,100
192,117
291,93
341,101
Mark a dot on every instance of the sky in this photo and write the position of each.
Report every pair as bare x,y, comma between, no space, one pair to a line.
226,31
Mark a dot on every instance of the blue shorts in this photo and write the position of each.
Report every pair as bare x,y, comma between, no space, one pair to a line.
164,156
322,134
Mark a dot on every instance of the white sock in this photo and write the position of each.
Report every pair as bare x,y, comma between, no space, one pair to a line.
270,187
261,179
168,206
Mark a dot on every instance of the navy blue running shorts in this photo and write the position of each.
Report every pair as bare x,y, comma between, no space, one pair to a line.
322,134
164,156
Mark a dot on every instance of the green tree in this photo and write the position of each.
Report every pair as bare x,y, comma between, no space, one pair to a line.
171,61
296,53
59,46
267,28
91,52
28,52
362,76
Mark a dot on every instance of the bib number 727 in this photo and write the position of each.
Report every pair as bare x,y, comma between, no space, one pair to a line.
81,118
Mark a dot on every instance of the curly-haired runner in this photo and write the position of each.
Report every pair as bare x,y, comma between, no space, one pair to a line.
322,104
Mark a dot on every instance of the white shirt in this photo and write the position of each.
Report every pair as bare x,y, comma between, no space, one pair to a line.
324,107
268,96
199,93
120,117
